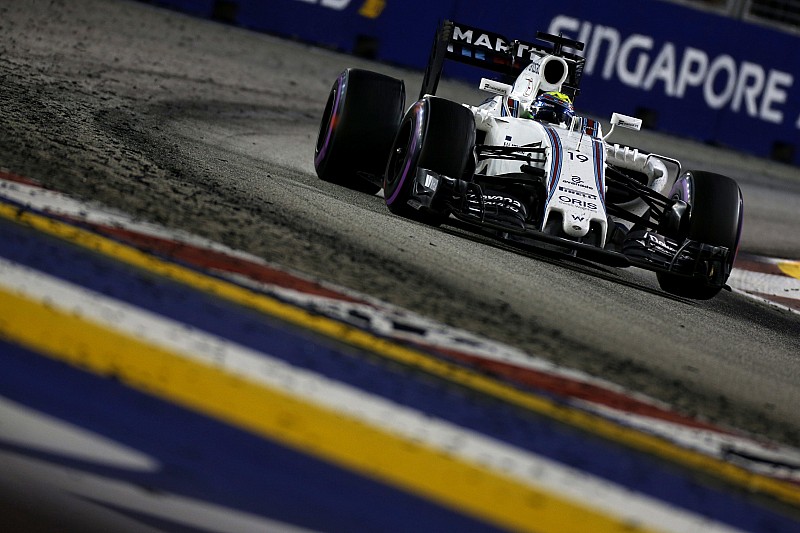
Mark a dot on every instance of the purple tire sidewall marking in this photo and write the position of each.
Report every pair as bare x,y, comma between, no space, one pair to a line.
411,155
340,83
681,189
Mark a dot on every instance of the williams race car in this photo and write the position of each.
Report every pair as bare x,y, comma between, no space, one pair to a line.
524,167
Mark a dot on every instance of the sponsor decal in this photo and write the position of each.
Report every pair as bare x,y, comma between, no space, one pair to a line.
528,88
660,244
576,181
577,202
503,201
338,5
492,41
485,40
577,193
641,62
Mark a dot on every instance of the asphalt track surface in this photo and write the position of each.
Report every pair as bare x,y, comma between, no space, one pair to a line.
209,128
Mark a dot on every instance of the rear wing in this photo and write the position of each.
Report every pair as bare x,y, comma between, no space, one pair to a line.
492,51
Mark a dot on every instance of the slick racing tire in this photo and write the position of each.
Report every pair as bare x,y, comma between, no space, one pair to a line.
436,134
715,218
358,126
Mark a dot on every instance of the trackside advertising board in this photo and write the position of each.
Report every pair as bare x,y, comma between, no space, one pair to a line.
684,71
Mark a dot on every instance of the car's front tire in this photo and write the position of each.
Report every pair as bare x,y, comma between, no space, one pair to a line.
715,218
436,134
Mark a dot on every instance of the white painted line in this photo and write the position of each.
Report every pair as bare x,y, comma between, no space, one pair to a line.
37,484
767,459
765,284
28,428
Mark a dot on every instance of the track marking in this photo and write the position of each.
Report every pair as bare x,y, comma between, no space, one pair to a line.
774,281
264,409
790,268
385,348
604,398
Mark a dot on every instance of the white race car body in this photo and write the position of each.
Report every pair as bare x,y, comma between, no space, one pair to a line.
574,166
508,169
575,154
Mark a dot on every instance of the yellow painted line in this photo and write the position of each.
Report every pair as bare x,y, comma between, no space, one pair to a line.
790,268
599,426
349,443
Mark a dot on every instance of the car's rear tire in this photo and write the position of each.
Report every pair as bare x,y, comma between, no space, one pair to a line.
358,126
436,134
715,218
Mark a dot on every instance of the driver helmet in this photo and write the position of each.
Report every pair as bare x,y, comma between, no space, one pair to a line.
553,107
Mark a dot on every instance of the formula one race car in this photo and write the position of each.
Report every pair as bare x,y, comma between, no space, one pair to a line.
524,167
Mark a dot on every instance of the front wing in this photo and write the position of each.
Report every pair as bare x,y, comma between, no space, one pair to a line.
644,248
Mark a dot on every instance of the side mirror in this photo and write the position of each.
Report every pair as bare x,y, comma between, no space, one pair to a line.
495,87
623,121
